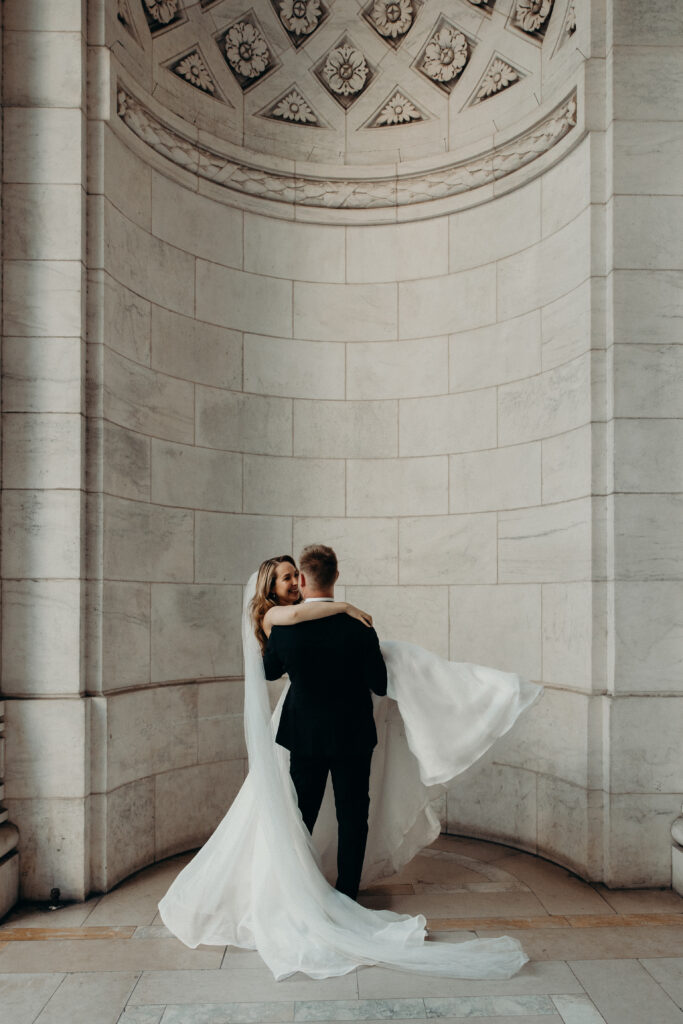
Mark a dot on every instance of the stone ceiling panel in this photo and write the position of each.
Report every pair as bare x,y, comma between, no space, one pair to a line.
357,81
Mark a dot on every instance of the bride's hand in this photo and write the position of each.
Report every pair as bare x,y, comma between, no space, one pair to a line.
358,613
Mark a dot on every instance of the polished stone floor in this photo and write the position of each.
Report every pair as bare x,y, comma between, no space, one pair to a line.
597,956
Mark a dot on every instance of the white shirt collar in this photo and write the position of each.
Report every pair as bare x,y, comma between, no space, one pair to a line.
308,600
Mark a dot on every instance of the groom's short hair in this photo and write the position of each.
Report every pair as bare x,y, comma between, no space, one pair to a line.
319,563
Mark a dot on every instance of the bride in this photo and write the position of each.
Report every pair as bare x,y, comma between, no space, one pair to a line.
261,881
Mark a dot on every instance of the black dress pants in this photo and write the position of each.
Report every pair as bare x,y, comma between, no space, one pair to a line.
350,781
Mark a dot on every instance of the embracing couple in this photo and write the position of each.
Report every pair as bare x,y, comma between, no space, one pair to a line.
388,722
333,662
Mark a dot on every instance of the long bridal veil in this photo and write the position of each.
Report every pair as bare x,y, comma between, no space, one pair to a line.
259,881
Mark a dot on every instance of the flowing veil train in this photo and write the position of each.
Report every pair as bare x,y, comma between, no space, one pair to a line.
259,881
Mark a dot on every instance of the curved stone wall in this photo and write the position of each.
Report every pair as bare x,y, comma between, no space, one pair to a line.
405,392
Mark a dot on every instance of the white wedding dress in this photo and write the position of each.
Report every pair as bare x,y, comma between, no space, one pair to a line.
260,881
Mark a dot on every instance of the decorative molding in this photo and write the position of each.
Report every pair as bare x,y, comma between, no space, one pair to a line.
345,72
445,55
570,19
292,107
498,76
569,26
397,109
163,14
300,18
326,192
124,16
246,51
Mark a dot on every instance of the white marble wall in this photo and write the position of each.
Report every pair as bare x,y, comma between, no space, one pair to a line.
417,395
477,410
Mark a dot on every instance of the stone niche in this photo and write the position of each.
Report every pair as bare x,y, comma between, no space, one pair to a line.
308,273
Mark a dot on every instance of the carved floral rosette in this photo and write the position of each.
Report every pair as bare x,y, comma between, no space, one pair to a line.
345,73
531,16
300,18
391,19
246,51
444,56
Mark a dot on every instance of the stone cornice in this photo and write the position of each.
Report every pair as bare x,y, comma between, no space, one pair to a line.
360,193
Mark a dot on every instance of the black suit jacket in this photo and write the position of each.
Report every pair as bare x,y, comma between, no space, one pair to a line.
332,663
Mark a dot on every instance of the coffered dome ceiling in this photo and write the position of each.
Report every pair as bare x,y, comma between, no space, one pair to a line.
350,84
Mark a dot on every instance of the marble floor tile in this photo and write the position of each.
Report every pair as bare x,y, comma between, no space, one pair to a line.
360,1009
435,871
558,890
393,888
41,934
125,906
229,1013
237,986
23,996
30,915
625,921
543,978
89,999
624,993
106,955
152,931
447,924
456,935
669,973
246,958
141,1015
577,1010
464,904
594,943
524,1018
642,901
488,1006
478,849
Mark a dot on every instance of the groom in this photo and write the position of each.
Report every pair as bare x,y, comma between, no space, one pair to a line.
327,722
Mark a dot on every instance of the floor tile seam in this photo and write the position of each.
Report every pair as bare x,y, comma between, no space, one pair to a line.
546,900
554,922
568,964
584,996
656,980
65,975
130,994
97,902
635,960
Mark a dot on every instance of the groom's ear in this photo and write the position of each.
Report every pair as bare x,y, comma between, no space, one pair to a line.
302,579
336,576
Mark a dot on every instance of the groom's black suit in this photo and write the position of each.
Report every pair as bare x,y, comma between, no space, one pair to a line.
327,723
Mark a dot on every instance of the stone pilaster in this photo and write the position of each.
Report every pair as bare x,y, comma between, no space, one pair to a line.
43,499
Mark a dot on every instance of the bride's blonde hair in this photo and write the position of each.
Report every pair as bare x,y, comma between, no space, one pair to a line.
264,596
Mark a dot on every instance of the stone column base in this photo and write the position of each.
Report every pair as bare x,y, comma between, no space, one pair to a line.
9,868
677,856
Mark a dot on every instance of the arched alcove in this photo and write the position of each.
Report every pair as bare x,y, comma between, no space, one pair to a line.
388,329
